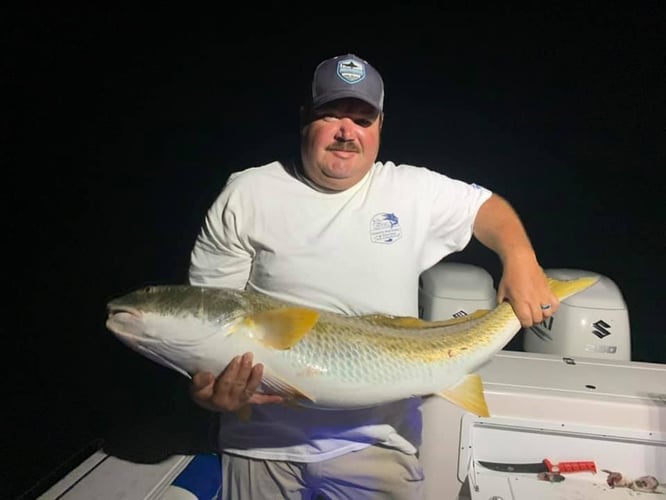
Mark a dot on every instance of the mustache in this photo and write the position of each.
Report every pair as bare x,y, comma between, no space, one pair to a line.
348,146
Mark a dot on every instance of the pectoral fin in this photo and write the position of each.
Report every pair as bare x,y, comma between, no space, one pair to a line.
468,394
282,328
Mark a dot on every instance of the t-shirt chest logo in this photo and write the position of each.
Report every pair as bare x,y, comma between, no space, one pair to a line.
385,228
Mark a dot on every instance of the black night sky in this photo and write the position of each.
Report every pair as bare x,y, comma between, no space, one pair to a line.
120,128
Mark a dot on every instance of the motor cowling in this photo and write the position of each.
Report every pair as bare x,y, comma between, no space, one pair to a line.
593,323
454,289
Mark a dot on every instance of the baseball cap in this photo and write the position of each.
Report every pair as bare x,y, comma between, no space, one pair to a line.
347,76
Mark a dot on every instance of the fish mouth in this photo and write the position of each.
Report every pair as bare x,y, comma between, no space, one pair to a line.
125,322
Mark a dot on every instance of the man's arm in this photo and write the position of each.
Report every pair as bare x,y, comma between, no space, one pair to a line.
220,258
524,284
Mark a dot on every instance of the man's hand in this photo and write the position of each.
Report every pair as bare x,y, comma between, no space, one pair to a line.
234,388
525,286
523,282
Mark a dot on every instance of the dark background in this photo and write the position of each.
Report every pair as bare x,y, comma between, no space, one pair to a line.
120,127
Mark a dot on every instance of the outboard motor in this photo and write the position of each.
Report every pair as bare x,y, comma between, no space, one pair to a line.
592,324
452,289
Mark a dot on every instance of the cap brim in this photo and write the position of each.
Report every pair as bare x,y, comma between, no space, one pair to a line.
342,94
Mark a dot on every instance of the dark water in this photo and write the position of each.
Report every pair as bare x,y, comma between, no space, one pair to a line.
122,127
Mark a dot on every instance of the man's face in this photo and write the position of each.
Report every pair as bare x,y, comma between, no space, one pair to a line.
340,143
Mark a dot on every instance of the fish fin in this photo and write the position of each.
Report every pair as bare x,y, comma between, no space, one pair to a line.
394,321
566,288
413,322
468,394
283,328
462,319
294,404
275,385
244,413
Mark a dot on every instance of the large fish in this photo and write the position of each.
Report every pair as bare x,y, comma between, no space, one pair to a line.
317,358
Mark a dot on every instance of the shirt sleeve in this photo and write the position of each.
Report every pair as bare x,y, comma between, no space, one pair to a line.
455,204
221,256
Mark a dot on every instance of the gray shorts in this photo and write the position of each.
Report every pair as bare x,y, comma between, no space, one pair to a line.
374,472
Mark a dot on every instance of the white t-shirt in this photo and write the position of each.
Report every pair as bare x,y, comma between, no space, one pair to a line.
359,251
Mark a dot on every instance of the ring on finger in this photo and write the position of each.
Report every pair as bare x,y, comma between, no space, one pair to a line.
545,307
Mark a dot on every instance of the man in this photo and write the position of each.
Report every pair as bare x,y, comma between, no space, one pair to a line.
339,230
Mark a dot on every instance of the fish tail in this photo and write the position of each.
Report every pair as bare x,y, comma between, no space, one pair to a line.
566,288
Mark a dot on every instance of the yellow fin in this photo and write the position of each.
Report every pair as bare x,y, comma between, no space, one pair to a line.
275,385
462,319
566,288
408,322
394,321
412,322
283,328
294,404
468,395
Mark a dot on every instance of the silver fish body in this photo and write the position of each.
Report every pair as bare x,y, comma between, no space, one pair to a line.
314,357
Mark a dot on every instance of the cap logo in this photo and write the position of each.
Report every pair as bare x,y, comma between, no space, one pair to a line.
351,71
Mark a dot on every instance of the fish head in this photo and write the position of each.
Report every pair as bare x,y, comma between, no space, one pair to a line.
171,323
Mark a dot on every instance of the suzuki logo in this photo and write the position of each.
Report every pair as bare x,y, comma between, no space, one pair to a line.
601,329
